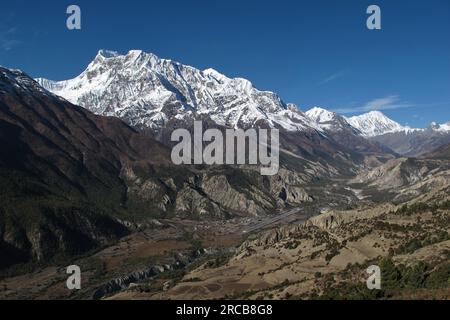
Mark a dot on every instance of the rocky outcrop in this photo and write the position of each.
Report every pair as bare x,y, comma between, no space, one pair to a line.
178,262
402,172
190,202
219,193
219,189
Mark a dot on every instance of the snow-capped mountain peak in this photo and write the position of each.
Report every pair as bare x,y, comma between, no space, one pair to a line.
147,91
375,123
320,115
107,54
329,120
440,127
215,74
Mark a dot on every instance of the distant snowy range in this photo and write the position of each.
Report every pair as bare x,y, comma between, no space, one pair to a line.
149,93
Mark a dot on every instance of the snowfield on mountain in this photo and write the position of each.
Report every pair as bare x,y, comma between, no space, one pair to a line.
147,91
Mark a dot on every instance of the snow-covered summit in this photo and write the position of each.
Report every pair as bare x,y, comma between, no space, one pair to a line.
107,54
329,120
443,128
148,91
320,115
375,123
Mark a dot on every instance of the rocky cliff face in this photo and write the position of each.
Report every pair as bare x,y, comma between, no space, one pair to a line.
401,172
405,179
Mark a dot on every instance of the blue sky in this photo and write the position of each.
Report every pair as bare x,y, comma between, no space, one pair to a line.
311,52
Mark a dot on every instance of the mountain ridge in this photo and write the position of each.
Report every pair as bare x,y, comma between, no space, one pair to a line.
150,93
186,90
376,127
147,91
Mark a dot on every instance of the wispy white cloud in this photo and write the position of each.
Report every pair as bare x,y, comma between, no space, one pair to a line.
8,39
333,77
385,103
8,44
